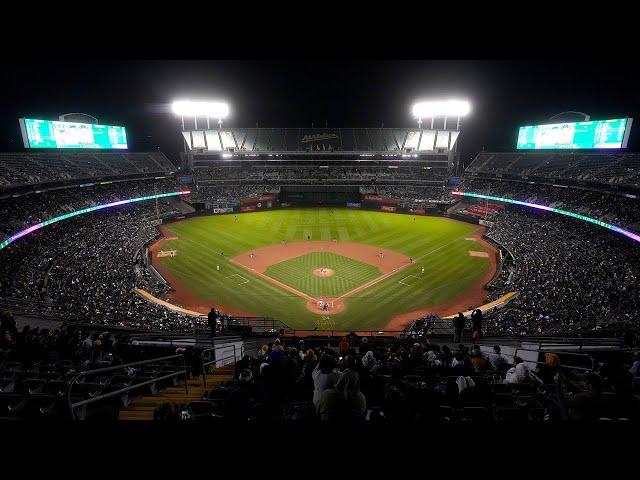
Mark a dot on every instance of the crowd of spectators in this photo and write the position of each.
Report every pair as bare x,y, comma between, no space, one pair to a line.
570,276
31,168
313,173
17,213
614,209
86,267
402,382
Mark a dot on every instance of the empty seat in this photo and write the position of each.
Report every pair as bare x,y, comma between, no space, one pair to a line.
32,386
42,406
475,415
510,415
11,404
7,385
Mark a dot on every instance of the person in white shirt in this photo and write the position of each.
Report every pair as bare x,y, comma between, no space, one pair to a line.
519,373
325,375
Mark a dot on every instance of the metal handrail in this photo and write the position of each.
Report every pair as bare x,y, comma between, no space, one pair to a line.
84,373
210,362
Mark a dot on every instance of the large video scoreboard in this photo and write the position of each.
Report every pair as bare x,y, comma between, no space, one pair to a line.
576,135
54,134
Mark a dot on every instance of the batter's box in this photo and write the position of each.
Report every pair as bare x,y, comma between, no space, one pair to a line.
239,279
408,280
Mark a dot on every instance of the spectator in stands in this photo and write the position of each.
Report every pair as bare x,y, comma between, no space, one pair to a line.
325,375
369,360
588,404
497,360
458,327
8,323
479,362
445,355
243,364
635,366
344,402
238,402
343,347
476,322
212,319
519,373
309,363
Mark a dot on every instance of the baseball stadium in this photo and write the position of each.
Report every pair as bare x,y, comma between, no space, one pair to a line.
320,274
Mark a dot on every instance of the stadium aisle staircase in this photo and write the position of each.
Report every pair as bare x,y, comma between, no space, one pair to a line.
142,408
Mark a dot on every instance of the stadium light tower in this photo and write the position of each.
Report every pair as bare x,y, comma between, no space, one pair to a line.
193,109
441,108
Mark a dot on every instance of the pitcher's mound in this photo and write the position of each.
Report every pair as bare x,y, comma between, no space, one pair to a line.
323,272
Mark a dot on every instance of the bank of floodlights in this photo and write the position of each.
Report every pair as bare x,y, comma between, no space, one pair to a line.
197,109
441,108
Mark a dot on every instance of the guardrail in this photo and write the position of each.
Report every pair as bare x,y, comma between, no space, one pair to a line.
205,364
85,373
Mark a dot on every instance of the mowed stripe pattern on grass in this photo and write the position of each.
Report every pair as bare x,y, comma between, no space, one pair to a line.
348,273
436,243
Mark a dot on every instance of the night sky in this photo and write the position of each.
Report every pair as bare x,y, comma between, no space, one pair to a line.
136,94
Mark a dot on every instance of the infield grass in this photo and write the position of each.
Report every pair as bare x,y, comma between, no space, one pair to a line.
437,244
348,273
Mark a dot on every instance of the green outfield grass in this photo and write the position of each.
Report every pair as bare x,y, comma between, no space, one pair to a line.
349,273
437,244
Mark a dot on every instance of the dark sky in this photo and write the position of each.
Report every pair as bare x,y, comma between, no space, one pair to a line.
136,94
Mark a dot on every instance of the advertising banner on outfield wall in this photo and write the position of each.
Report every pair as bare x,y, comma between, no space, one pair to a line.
262,198
486,223
418,211
380,199
353,205
386,208
249,208
223,210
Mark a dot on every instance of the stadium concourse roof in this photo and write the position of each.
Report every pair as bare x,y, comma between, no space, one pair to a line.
392,141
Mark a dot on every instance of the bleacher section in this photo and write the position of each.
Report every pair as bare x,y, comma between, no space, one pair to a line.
612,169
40,168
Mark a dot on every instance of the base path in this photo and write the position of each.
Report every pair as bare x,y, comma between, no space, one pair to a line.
258,260
469,299
181,295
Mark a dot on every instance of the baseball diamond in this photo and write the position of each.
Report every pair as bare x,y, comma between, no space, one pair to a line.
282,254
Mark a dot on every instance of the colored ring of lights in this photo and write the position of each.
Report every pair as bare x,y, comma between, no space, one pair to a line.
59,218
615,228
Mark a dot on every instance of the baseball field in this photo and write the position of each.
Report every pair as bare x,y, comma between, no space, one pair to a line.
326,267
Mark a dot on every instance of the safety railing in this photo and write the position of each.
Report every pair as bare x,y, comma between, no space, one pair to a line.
73,406
205,363
589,363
